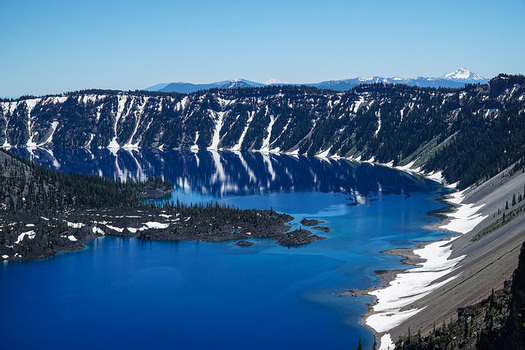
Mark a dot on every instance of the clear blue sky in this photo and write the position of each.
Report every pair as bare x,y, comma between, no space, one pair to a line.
54,46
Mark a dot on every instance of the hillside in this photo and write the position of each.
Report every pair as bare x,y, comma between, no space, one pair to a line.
488,257
470,134
494,323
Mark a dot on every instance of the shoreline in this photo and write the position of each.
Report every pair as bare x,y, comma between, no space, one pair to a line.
430,262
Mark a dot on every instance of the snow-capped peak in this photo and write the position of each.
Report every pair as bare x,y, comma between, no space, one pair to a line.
462,74
274,81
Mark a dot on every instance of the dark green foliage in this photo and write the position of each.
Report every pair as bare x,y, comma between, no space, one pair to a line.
469,331
36,189
507,216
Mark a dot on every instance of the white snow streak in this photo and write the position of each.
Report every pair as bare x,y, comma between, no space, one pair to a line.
50,137
31,234
386,343
237,147
266,141
378,114
195,147
217,133
121,105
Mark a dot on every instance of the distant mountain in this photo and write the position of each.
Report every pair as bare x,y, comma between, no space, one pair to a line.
463,74
456,79
157,87
187,88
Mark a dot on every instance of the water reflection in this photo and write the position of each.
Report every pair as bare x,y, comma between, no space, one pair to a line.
223,174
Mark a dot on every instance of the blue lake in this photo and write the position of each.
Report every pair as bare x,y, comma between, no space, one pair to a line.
130,294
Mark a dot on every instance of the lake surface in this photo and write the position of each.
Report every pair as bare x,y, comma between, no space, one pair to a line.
126,293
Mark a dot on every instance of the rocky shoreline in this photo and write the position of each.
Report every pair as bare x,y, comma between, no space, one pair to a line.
30,240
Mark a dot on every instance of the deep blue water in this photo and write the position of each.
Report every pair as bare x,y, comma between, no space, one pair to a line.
130,294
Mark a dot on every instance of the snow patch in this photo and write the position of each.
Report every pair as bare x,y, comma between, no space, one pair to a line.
75,224
118,229
465,218
157,225
386,342
323,154
54,126
378,115
358,103
98,230
266,142
31,234
195,147
217,133
72,238
237,147
122,99
412,285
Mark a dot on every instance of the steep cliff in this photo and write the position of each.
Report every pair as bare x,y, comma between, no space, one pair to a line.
471,134
513,336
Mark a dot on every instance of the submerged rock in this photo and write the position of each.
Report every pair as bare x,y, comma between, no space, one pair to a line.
244,244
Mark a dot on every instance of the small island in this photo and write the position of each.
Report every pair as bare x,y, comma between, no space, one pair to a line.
310,222
244,244
298,237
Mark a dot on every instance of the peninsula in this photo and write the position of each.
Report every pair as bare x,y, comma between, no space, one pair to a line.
44,212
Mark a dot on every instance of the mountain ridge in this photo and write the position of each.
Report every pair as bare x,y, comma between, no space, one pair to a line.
456,79
396,124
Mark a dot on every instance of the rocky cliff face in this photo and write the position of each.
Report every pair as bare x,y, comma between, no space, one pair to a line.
514,337
387,124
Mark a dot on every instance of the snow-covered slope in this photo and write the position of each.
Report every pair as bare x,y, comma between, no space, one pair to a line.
463,74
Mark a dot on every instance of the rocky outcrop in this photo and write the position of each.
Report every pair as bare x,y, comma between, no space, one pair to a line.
514,335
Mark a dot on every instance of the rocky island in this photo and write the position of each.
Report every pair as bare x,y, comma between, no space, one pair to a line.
297,237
